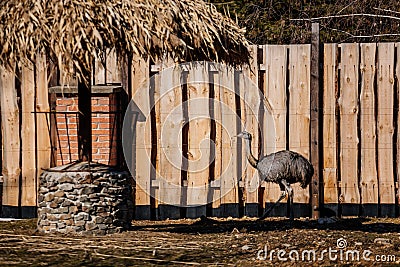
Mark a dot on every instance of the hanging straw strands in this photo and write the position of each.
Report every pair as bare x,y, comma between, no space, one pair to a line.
73,32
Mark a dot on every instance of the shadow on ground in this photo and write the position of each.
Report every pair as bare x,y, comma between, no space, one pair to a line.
208,225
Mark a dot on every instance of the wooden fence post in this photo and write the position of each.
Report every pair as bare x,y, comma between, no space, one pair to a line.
28,148
349,108
140,161
315,146
11,144
368,169
274,121
299,116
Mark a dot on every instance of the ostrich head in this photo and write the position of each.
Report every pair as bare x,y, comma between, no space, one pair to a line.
244,135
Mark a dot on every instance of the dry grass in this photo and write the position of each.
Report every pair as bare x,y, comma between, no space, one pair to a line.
216,242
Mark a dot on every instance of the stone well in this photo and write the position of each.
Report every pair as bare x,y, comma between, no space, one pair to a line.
84,199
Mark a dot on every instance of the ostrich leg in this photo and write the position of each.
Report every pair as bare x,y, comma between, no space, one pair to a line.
283,195
289,191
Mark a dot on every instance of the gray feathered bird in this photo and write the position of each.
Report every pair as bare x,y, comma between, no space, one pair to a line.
283,167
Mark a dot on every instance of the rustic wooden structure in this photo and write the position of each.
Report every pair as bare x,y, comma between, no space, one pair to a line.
72,45
357,145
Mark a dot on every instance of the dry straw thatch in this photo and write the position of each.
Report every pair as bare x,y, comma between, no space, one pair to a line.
73,32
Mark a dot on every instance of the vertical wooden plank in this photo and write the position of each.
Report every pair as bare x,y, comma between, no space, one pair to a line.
99,72
274,124
28,168
155,84
52,71
316,143
385,127
68,79
171,123
368,173
299,116
218,171
229,161
112,75
249,92
163,211
348,102
11,144
397,171
142,150
198,140
42,120
330,174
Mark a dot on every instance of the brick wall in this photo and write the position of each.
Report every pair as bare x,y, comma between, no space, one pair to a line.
104,130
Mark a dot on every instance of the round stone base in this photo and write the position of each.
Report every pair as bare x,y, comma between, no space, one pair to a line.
82,198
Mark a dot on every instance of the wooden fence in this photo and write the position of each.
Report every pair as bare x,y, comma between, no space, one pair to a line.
361,128
359,137
168,163
180,148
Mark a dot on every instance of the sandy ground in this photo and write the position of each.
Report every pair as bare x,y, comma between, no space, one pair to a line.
210,242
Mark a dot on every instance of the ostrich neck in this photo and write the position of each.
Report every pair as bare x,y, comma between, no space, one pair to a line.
252,160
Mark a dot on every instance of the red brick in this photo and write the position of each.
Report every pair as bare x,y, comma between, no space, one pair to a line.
104,150
103,156
72,108
71,138
103,101
103,116
73,131
101,144
103,138
72,119
66,101
104,126
100,119
63,125
61,109
63,144
103,108
62,131
100,132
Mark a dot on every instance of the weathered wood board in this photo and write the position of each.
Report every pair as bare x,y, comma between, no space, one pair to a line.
330,127
348,102
397,70
99,72
11,143
299,114
385,127
274,121
170,137
229,128
28,155
250,108
42,120
198,140
368,173
112,74
215,114
141,159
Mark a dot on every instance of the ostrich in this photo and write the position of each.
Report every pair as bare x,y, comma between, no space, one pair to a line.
284,168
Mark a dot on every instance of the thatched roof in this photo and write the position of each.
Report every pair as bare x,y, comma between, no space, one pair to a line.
73,32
